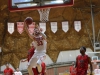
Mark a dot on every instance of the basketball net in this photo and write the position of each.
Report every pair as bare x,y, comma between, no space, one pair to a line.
44,14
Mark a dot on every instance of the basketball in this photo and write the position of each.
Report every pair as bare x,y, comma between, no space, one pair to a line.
28,20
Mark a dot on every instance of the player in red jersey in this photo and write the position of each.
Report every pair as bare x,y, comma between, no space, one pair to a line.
8,70
30,52
82,62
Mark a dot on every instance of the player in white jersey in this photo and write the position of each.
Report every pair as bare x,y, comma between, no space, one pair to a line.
40,44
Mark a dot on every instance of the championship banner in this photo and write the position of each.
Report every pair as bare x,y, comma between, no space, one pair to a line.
54,27
31,28
77,25
10,28
43,26
65,26
20,27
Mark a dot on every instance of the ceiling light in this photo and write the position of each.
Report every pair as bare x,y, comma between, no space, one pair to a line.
26,5
53,2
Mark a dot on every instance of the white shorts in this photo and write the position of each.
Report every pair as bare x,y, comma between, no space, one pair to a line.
38,57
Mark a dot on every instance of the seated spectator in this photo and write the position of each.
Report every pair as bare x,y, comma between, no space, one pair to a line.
97,71
72,69
17,72
8,70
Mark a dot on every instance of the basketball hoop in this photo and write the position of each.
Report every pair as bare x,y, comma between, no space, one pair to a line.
44,14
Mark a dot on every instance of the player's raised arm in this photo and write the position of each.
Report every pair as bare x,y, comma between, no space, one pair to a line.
27,22
44,36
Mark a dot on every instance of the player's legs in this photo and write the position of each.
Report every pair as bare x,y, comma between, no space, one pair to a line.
39,65
36,61
41,56
32,63
30,71
40,60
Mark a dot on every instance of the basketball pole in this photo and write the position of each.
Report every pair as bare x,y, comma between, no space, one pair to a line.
93,27
0,62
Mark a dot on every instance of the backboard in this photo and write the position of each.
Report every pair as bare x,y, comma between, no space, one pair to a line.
95,56
23,5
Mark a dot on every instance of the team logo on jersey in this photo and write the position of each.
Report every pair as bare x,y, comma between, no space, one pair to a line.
81,63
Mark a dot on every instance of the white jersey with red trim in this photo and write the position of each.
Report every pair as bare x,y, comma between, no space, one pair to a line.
40,44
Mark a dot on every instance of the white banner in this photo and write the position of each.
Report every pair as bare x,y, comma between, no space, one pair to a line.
65,26
31,28
20,27
10,28
43,26
77,25
54,27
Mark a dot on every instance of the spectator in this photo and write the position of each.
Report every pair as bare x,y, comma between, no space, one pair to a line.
17,72
97,71
72,69
8,70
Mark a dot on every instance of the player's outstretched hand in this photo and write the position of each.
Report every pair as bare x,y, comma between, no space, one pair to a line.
23,60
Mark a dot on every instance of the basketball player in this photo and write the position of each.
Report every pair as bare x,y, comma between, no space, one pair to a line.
40,49
30,54
82,62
